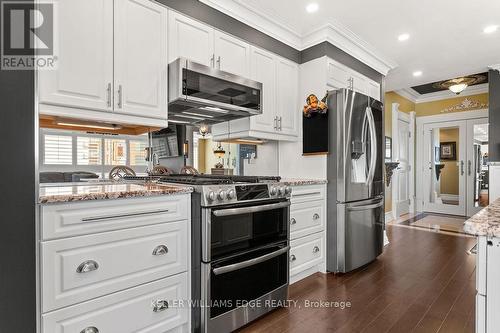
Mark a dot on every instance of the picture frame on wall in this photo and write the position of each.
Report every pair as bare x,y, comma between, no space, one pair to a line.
448,151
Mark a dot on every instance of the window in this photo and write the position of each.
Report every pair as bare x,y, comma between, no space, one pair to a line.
138,152
58,150
115,152
88,150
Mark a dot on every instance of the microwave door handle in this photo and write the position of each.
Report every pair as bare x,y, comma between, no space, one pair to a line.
373,146
249,210
251,262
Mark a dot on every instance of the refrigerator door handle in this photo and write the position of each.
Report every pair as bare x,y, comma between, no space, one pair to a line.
372,206
373,146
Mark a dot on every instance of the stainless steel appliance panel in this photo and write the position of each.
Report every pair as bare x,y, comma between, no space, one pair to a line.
360,228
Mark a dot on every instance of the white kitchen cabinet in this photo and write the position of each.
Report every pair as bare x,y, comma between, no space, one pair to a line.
111,63
232,54
307,231
84,40
190,39
340,76
287,76
280,111
141,65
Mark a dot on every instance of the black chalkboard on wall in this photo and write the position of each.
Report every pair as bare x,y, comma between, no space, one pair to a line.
315,127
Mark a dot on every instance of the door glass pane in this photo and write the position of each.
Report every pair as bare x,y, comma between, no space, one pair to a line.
478,166
445,166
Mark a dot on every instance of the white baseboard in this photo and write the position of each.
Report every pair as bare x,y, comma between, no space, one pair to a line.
449,197
389,217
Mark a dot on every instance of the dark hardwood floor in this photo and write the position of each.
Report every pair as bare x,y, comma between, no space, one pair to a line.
423,282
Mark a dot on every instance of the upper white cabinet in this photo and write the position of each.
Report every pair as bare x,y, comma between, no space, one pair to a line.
203,44
84,76
280,106
231,54
340,76
112,58
141,76
190,39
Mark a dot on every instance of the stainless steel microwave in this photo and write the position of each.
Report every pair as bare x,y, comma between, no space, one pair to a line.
202,94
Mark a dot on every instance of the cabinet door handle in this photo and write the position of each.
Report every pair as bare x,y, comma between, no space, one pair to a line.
212,60
120,94
218,62
108,95
315,216
462,168
90,329
160,305
87,266
280,120
160,250
275,123
293,221
293,257
469,167
315,249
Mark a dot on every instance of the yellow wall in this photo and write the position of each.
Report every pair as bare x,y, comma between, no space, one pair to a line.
405,105
449,174
433,108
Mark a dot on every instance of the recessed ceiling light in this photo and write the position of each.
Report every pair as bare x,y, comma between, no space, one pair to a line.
403,37
417,73
490,29
312,7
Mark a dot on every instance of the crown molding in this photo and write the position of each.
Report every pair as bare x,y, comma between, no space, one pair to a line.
334,33
495,67
415,97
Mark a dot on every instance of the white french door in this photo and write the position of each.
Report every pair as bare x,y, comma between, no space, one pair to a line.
445,153
455,173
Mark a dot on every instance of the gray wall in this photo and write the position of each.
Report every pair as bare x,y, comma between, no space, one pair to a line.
17,204
494,116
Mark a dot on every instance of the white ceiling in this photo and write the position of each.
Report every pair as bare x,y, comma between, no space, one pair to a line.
447,38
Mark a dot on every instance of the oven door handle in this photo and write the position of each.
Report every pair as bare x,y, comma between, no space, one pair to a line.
248,210
251,262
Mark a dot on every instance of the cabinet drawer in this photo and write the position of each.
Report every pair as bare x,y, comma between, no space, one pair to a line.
115,261
306,252
308,193
306,218
80,218
127,311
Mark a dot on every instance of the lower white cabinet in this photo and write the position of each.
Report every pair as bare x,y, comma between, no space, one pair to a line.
307,231
152,307
116,265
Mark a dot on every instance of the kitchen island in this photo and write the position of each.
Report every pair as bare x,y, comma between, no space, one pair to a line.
485,225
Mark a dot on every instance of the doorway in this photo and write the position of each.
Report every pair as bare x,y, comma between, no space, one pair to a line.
454,167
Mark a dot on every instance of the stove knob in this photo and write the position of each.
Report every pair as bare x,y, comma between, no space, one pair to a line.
282,191
221,195
273,191
231,194
211,196
288,190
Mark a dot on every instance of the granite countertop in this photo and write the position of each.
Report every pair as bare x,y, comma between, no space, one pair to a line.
302,181
81,192
486,222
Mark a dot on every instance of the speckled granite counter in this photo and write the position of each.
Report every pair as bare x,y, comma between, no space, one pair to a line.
300,181
486,222
81,192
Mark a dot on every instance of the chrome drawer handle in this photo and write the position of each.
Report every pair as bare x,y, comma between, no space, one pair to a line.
293,221
160,305
91,329
87,266
293,257
315,249
160,250
315,216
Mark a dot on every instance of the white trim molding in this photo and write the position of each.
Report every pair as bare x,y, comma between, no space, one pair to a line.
415,97
495,67
389,217
333,32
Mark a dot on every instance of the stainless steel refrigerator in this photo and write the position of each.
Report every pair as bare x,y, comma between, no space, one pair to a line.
355,180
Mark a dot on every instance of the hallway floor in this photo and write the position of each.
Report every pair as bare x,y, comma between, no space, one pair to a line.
423,282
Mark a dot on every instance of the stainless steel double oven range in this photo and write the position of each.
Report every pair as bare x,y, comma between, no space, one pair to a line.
240,254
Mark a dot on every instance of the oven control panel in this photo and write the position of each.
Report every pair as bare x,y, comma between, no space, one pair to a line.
225,194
